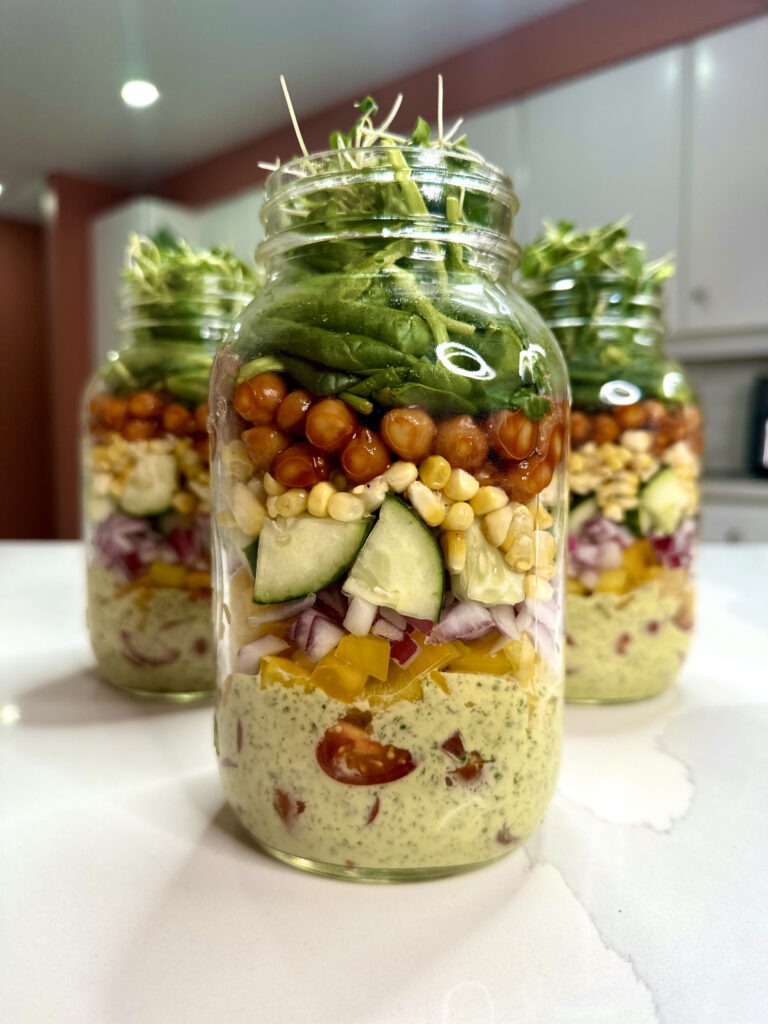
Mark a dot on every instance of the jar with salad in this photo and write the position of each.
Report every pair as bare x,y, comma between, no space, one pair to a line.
146,470
634,465
389,428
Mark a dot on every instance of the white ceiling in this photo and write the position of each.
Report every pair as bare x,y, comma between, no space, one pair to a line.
216,63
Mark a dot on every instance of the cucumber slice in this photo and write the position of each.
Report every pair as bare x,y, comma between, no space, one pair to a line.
150,485
486,577
583,512
303,554
663,501
400,565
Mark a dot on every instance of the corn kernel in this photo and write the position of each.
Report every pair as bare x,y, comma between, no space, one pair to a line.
458,517
345,508
401,475
461,485
292,503
272,506
435,472
372,494
544,547
488,499
184,502
497,523
537,589
520,554
547,571
454,545
273,487
235,457
319,496
542,519
248,511
427,503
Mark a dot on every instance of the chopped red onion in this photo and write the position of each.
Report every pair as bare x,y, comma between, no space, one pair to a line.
249,656
324,635
464,620
404,650
360,616
382,627
280,612
143,660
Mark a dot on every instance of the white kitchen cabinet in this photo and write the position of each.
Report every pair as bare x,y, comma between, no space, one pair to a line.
607,145
725,222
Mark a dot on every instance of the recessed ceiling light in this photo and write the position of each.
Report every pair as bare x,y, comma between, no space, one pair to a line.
1,188
138,93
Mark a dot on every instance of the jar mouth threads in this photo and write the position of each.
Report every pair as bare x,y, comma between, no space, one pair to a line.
333,195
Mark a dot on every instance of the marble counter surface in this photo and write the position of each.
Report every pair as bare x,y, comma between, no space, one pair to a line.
128,895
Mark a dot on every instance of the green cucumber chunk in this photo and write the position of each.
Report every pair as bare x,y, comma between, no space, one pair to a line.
663,501
150,485
400,565
300,555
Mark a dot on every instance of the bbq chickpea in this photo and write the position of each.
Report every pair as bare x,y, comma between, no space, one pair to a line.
264,444
409,432
581,428
146,405
365,456
291,414
178,420
512,435
257,400
300,465
604,428
330,424
462,442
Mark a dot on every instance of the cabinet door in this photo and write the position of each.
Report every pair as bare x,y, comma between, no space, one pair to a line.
727,216
606,146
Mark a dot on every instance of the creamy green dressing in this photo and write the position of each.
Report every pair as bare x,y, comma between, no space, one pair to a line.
267,739
623,647
153,623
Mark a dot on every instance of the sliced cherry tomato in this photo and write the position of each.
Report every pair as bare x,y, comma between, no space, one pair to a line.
471,767
348,754
288,807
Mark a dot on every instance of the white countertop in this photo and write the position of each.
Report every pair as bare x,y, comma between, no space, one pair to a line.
128,895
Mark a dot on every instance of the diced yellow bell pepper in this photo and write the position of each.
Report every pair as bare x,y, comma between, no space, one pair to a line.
368,653
338,678
573,586
277,671
163,574
521,655
399,685
639,557
199,581
493,664
612,581
433,656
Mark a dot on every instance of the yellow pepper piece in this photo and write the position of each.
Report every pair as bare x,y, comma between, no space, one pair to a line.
368,653
521,655
163,574
638,559
277,671
573,586
493,664
433,656
399,685
199,581
612,581
338,678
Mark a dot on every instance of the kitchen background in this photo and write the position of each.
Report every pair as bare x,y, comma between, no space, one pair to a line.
597,109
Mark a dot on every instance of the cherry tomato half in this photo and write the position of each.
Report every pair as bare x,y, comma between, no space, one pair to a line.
348,754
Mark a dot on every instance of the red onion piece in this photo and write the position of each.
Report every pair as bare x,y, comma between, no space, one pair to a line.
464,620
280,612
143,660
360,616
404,650
249,656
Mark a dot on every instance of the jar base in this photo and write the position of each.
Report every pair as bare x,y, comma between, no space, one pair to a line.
380,876
632,699
162,696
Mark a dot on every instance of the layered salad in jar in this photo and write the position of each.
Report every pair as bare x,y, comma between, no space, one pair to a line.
634,465
146,472
387,524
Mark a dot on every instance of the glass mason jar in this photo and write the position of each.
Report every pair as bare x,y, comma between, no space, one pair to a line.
389,425
146,475
633,479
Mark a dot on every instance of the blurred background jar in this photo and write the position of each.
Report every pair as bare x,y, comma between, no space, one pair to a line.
145,463
634,465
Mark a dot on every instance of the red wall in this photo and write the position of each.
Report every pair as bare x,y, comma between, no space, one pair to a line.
26,484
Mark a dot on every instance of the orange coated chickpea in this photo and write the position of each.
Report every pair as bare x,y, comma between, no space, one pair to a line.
512,435
364,457
114,412
462,442
330,424
138,430
581,427
257,400
264,444
630,417
178,420
300,466
409,432
201,418
292,412
146,405
604,428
